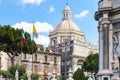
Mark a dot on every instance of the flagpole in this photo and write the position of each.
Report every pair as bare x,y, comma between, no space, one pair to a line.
32,47
36,36
21,49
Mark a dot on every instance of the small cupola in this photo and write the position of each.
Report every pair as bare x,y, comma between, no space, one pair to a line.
67,13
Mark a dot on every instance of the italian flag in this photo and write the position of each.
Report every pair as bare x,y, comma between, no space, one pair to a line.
23,36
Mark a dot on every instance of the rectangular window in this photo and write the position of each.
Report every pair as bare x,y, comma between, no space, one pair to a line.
105,78
25,66
0,63
55,60
24,56
35,57
45,70
45,58
35,68
55,69
0,60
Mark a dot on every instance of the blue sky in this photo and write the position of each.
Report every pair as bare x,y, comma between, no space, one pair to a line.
47,14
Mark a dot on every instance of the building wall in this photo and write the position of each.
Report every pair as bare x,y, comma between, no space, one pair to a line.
43,63
4,61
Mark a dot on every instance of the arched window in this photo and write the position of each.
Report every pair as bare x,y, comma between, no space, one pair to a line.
54,42
80,62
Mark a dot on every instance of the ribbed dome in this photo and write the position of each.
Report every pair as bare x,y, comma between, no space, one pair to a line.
67,25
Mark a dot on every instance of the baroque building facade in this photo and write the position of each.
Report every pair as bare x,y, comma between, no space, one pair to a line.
42,62
70,42
108,16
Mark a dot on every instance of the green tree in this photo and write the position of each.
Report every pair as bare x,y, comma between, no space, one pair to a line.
24,76
5,74
79,74
13,68
59,77
35,76
11,42
91,64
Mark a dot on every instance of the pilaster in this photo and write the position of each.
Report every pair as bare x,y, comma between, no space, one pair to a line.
105,41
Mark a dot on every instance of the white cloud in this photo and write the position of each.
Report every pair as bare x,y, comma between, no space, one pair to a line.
51,9
82,14
40,27
44,40
37,2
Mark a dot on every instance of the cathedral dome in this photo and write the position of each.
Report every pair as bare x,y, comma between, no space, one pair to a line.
67,23
66,30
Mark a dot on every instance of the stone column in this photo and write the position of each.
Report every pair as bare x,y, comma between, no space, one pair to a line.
100,29
105,48
110,46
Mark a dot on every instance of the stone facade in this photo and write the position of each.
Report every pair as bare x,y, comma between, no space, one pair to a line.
108,16
42,62
70,42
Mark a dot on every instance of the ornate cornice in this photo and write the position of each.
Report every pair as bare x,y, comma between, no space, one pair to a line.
111,12
80,57
67,32
49,53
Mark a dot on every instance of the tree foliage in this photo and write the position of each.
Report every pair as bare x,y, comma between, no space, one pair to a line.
13,68
24,76
5,74
35,76
91,63
79,74
11,42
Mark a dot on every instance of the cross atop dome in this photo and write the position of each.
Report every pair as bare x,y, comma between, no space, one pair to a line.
67,12
67,2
